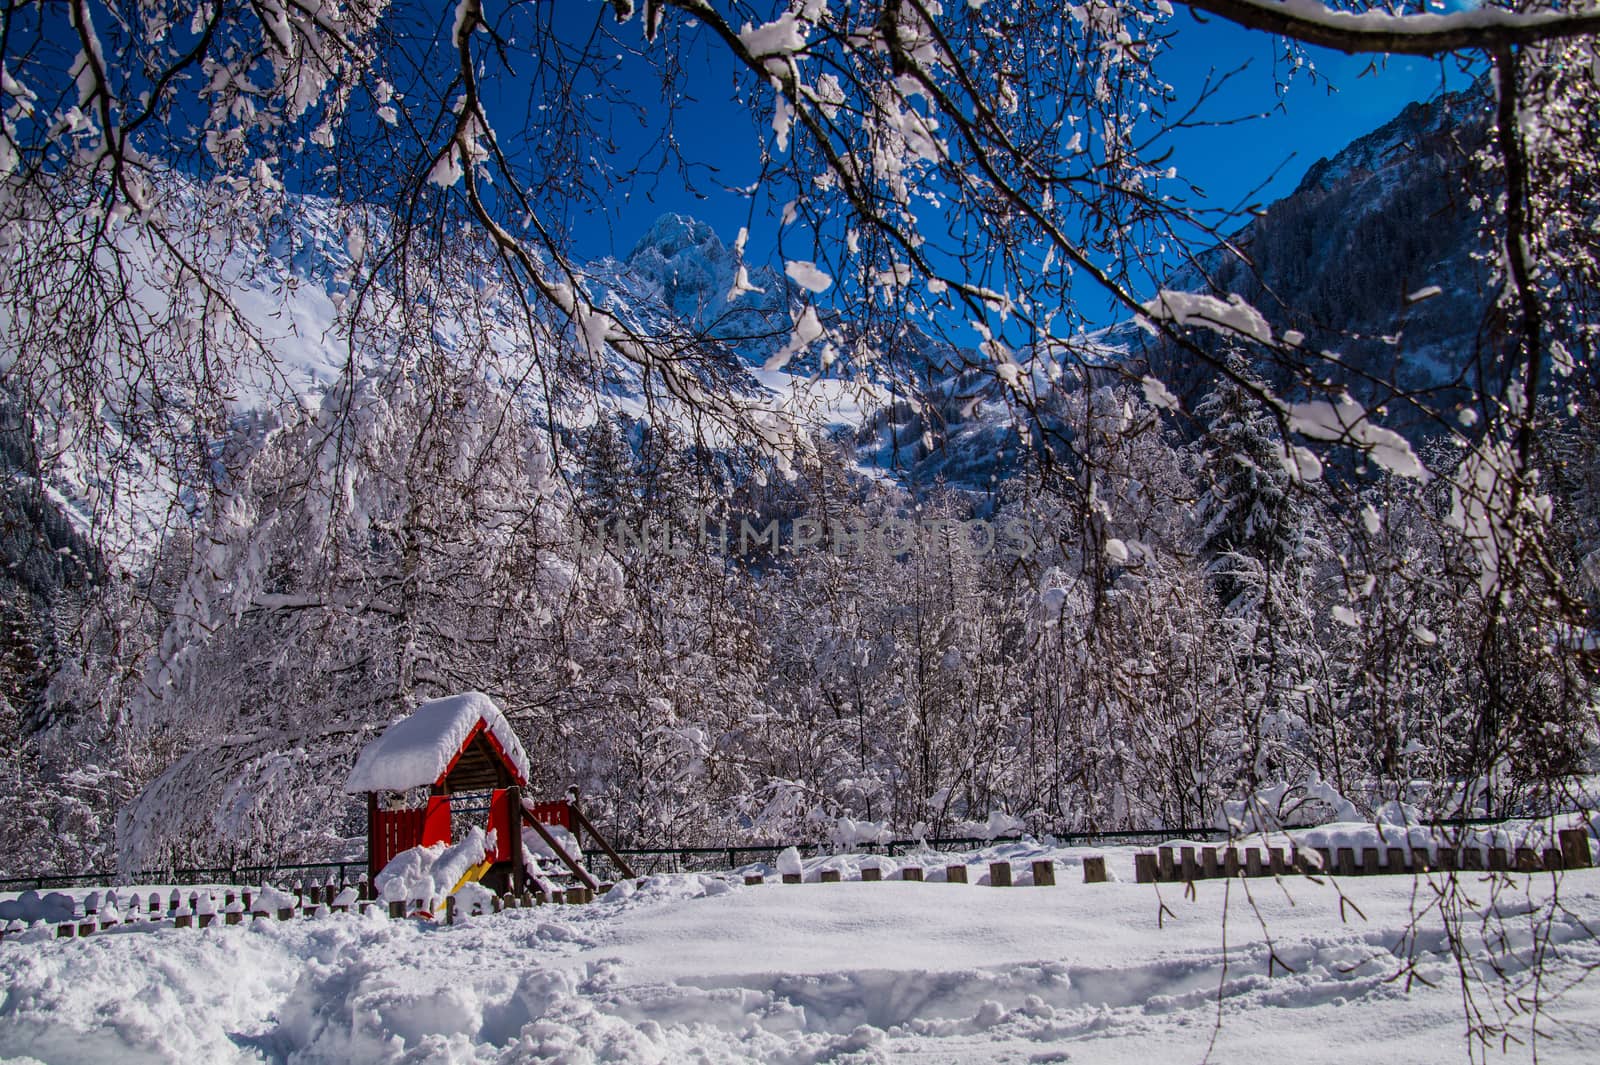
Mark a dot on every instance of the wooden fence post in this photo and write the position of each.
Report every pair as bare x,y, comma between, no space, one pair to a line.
1044,873
911,872
829,876
752,879
871,873
999,874
1094,868
1575,848
1144,868
792,878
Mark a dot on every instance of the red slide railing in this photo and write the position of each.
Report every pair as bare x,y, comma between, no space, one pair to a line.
551,813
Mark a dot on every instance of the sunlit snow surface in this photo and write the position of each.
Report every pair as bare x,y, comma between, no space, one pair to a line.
695,968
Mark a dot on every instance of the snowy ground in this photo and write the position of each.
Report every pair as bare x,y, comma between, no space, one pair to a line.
700,969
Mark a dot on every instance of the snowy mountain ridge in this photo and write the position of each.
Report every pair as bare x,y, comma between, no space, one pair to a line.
1379,220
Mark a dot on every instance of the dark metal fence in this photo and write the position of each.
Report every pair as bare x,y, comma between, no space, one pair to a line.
645,860
308,873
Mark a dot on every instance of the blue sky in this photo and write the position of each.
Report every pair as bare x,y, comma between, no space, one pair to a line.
1316,117
713,129
1315,120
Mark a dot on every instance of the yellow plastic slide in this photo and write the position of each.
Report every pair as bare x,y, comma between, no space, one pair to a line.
472,875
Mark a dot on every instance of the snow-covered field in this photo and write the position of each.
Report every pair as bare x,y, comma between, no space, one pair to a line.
702,969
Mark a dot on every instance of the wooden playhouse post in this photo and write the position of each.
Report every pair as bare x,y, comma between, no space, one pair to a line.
577,818
371,888
519,874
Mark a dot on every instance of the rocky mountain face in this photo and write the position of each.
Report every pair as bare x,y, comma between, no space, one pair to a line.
923,414
681,275
1373,258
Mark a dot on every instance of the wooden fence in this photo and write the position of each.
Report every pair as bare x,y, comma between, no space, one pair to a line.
1184,864
1001,874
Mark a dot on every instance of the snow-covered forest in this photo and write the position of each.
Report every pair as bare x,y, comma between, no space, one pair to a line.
295,440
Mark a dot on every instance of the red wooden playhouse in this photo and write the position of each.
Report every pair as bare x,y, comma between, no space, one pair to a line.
464,753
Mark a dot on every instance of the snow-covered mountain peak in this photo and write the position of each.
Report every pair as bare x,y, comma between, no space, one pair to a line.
672,237
685,265
682,268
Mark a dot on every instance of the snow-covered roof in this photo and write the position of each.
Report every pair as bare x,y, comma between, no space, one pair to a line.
416,750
